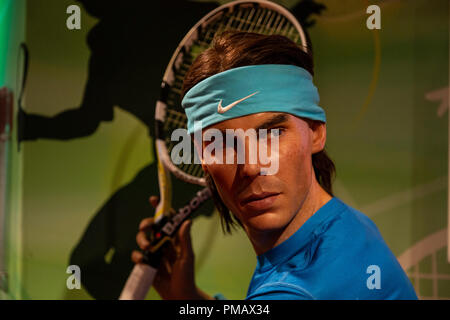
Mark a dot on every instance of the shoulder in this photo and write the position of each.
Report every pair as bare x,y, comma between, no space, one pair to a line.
349,227
350,249
352,237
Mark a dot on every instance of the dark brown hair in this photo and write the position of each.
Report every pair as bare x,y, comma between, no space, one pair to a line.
237,49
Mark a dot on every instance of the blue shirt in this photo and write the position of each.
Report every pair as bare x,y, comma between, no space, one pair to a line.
338,253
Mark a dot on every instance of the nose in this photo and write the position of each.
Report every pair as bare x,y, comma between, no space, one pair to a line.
247,170
251,167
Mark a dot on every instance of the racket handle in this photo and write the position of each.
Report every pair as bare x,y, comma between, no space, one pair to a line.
139,282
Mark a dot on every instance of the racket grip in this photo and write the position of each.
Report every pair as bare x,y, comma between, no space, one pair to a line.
139,282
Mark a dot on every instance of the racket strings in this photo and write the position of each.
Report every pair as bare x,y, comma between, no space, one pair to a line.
259,20
175,120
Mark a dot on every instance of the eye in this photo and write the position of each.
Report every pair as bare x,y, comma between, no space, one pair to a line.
276,132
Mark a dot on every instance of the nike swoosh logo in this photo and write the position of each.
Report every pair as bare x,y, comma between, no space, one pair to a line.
221,109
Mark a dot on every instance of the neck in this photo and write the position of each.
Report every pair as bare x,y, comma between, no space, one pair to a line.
263,241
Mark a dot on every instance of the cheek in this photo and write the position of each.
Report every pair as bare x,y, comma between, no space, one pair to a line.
223,176
295,155
295,165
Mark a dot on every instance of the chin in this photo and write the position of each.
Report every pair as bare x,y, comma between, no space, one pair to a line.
266,222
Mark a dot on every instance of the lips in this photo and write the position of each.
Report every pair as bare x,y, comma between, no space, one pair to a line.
260,201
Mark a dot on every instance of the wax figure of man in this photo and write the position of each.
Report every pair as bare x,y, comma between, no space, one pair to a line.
309,244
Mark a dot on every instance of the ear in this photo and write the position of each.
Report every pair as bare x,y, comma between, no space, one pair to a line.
319,136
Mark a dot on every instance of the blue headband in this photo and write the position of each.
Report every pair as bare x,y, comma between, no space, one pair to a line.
253,89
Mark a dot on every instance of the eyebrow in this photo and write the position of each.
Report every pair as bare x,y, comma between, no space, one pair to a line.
277,119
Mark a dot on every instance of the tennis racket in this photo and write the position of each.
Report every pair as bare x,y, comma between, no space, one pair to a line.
262,17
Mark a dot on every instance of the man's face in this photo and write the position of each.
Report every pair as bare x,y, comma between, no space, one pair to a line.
269,202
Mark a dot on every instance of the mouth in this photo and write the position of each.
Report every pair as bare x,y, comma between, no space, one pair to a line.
260,201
